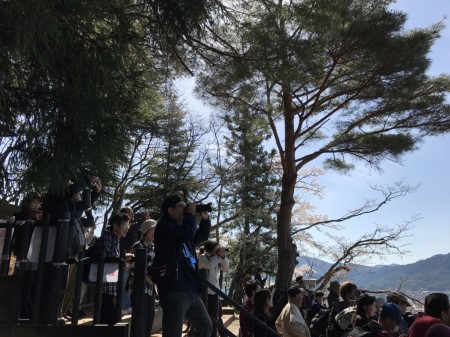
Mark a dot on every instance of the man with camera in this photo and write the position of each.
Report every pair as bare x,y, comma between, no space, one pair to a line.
175,267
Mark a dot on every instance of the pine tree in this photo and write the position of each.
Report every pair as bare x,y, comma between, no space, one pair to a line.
174,162
251,195
73,76
335,80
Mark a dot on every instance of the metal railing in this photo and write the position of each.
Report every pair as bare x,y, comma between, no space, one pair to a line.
47,300
269,331
59,263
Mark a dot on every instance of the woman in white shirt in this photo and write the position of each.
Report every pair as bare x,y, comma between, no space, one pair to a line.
213,260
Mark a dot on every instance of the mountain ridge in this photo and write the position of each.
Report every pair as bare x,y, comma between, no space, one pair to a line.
430,274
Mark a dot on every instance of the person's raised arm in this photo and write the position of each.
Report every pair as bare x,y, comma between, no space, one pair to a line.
202,233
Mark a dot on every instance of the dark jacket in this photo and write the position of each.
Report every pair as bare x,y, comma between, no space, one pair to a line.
259,331
332,298
171,239
64,208
315,308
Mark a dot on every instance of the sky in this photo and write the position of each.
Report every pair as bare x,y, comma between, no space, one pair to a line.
428,167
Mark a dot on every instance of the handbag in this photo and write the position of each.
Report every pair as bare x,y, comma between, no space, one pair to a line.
75,238
163,274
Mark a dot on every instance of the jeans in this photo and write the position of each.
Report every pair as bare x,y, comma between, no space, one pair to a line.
177,306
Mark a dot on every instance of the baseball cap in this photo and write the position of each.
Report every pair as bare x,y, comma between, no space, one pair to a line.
393,311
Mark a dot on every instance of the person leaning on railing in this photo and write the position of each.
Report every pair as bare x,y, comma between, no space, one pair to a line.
118,227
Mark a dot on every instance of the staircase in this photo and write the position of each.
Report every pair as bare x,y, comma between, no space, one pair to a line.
230,321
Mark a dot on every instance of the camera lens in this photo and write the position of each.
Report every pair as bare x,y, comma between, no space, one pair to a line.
203,208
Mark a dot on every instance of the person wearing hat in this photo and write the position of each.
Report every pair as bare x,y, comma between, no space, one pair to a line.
391,317
146,242
178,282
438,330
290,322
403,303
399,299
388,323
333,294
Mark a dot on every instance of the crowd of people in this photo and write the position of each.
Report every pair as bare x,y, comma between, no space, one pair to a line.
171,259
174,271
345,312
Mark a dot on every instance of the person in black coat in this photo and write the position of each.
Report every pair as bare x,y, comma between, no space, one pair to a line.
333,295
20,244
176,267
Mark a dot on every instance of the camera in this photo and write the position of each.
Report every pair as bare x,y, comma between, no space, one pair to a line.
203,208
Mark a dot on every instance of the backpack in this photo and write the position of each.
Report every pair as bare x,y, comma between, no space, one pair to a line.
333,328
75,238
319,322
344,318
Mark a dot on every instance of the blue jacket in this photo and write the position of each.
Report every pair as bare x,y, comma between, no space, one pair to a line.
173,243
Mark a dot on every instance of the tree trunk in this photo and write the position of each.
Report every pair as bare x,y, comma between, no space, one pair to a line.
236,289
287,251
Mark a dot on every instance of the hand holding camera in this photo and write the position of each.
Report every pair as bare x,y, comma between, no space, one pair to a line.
96,184
203,209
220,252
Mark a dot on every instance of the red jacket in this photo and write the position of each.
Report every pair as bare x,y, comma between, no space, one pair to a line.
421,325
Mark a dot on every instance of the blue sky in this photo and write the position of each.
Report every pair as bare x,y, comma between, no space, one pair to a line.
428,167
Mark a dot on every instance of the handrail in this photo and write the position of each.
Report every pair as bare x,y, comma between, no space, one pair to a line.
228,299
239,307
40,271
4,264
101,260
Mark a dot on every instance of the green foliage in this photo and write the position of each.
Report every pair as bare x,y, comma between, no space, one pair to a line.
346,67
335,80
251,194
172,161
338,165
76,77
185,16
73,85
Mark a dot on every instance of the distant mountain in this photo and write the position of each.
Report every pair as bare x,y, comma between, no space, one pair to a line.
432,274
